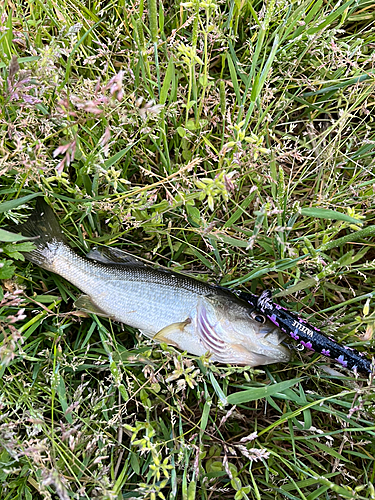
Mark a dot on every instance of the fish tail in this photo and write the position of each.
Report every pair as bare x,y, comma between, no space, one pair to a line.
44,228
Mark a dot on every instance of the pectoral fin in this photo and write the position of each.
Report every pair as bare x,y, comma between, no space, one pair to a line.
166,334
85,304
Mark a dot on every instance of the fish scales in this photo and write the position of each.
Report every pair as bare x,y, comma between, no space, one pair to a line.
120,290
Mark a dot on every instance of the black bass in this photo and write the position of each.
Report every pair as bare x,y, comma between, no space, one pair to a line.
164,305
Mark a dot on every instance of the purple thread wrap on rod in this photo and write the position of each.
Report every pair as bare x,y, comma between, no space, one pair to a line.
307,335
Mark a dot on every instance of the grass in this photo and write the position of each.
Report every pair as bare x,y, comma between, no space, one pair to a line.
231,140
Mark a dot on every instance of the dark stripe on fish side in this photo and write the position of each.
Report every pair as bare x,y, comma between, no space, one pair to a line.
307,335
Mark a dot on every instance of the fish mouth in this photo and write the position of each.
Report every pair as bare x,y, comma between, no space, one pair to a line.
271,347
273,336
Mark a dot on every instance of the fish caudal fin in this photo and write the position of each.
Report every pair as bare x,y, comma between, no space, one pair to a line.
44,228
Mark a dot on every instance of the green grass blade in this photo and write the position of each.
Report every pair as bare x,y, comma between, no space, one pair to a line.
261,392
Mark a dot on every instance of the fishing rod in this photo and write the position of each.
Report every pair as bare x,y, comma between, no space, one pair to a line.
307,335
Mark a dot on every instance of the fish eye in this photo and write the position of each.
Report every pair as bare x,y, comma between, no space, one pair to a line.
258,317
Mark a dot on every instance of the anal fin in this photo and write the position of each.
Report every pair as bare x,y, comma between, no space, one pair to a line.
85,304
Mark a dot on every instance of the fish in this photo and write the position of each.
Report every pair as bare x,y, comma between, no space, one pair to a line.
164,305
307,335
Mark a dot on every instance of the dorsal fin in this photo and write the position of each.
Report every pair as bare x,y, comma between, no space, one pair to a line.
109,255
